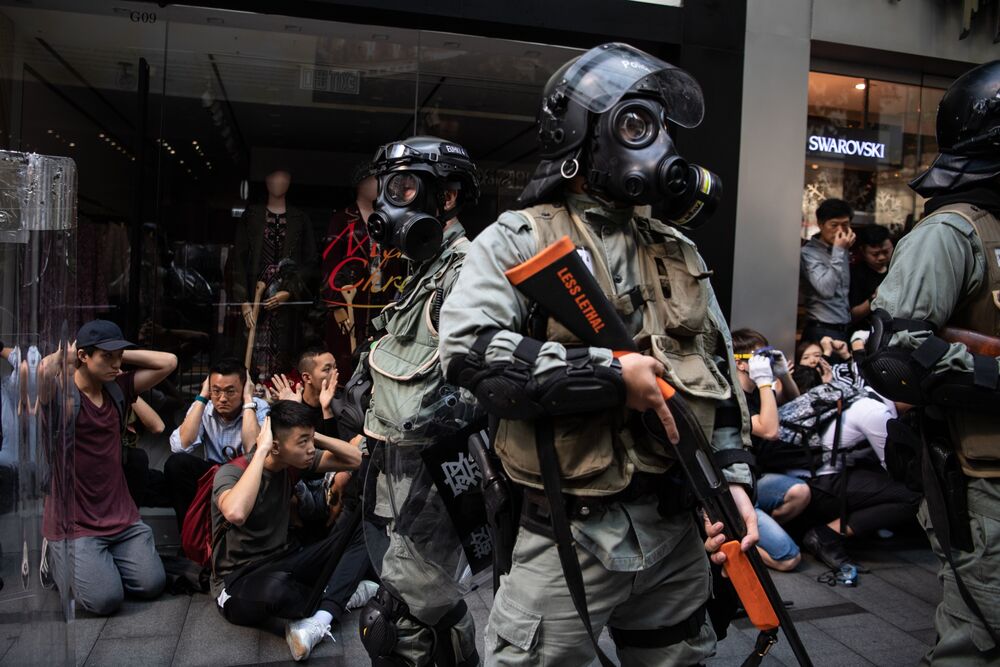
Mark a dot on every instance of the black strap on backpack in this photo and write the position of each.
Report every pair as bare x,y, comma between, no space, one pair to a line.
842,491
937,510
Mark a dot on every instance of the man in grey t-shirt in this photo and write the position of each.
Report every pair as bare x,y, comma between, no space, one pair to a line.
257,573
826,272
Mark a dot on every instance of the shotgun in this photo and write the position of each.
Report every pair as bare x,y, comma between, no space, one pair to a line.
988,346
557,279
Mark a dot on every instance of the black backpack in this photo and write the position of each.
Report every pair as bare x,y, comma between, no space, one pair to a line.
802,422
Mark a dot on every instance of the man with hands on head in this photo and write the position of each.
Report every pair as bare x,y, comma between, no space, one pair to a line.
257,573
224,420
113,550
826,272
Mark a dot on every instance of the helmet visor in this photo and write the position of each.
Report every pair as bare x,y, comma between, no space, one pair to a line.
604,74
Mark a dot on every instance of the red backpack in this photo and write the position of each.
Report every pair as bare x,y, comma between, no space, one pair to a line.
196,531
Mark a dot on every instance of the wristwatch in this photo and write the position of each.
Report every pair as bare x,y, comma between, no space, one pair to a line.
250,406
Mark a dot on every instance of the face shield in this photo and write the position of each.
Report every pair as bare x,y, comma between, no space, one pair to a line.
601,77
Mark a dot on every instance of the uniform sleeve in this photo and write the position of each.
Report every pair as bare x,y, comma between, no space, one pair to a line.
487,301
937,265
824,270
730,437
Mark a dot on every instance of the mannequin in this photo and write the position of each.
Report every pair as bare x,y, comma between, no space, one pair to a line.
275,246
358,278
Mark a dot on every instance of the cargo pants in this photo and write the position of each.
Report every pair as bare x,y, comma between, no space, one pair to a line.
533,620
961,638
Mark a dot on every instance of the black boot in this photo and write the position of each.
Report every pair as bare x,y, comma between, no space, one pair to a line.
827,545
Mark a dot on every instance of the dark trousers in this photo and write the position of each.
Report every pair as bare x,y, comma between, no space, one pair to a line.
148,488
285,587
182,472
874,500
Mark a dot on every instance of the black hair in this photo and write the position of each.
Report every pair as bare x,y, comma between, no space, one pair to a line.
90,350
286,415
806,377
308,354
748,340
833,208
873,235
228,366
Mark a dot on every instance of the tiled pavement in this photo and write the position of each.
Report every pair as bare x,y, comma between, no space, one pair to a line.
886,620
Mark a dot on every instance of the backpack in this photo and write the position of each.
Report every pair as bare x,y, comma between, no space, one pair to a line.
196,530
802,422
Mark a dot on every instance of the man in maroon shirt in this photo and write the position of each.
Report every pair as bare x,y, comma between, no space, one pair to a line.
112,550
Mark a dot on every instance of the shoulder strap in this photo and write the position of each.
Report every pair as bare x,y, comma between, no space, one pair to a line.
548,461
118,399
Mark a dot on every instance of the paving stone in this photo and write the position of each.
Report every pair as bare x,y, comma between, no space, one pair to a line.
916,581
900,656
866,634
735,644
40,642
208,639
804,591
141,618
925,558
928,635
145,651
85,634
823,648
895,605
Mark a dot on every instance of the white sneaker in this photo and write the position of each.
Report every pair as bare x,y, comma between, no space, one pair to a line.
44,569
303,636
366,591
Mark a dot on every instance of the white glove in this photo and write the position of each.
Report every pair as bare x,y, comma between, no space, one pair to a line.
760,370
779,364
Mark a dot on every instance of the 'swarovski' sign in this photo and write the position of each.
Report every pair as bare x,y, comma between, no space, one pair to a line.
841,146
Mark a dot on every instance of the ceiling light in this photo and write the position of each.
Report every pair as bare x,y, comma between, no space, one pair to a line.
860,86
214,20
380,37
452,45
72,144
194,142
48,131
815,166
293,28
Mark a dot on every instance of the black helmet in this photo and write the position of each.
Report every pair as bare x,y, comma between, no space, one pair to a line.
414,176
968,133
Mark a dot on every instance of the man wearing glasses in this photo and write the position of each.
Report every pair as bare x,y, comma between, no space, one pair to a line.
223,420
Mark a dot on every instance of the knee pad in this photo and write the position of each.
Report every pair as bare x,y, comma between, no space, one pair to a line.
377,627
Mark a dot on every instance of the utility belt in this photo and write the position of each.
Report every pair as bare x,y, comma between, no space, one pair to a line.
670,491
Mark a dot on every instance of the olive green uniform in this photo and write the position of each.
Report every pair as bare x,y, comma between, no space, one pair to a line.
406,378
939,271
641,570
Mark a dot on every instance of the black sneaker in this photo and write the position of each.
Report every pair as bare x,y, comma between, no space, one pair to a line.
827,545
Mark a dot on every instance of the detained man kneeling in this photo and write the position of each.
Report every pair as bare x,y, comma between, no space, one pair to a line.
258,575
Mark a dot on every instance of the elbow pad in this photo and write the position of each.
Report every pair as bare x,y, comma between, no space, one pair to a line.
907,375
510,391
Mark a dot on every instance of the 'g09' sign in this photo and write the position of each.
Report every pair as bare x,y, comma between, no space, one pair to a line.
142,17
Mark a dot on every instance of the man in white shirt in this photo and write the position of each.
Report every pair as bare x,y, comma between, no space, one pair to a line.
855,482
224,420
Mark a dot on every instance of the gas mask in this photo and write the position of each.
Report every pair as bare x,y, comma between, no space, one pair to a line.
633,160
405,215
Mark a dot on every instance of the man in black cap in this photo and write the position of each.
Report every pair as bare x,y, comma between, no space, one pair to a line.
113,549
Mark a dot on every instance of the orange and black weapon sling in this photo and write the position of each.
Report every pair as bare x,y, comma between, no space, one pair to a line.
557,279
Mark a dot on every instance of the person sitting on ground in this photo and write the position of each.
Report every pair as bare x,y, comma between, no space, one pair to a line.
831,357
779,497
870,499
147,486
99,550
224,420
258,573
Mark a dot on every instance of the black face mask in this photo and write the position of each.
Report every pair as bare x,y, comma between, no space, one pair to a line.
403,215
633,161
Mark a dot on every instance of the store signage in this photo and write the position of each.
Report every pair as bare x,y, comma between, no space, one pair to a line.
330,80
861,147
841,146
358,256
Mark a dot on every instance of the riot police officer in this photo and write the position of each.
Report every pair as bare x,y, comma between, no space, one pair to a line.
639,565
945,276
418,617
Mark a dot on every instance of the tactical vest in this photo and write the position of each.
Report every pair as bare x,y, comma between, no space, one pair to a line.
977,435
599,453
408,388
